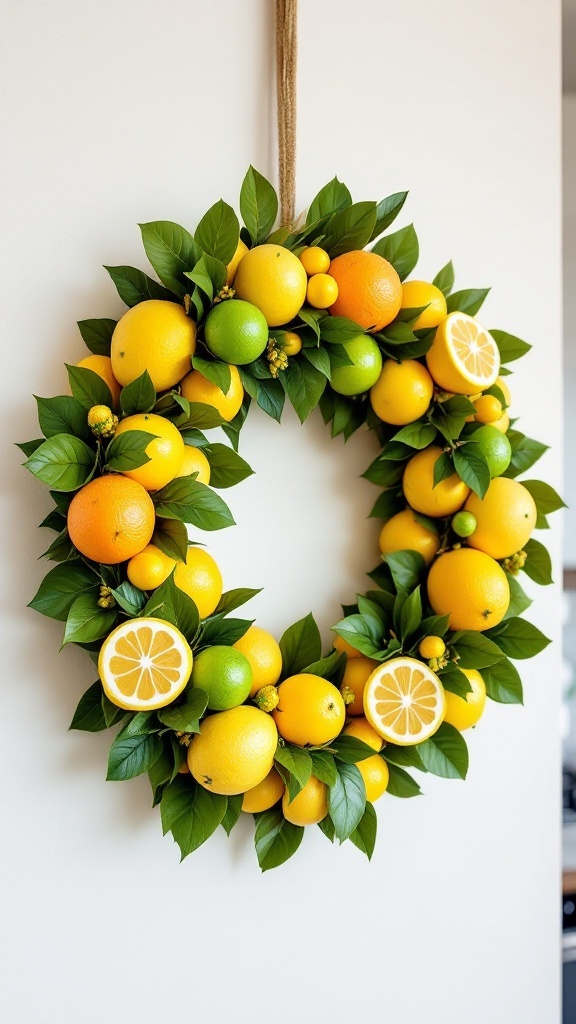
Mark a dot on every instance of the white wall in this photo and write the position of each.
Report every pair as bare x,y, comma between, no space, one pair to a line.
569,236
118,111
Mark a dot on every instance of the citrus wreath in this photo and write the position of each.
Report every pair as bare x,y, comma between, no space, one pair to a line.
221,717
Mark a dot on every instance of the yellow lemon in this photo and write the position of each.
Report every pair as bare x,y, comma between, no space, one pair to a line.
431,647
241,250
165,451
376,775
234,750
274,280
464,712
355,675
421,293
309,806
402,392
310,710
505,518
197,388
144,664
264,655
156,336
314,260
200,578
322,291
470,587
418,484
343,647
361,729
102,365
195,461
264,795
149,568
403,532
464,357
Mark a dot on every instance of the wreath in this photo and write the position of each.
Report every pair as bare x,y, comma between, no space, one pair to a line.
219,715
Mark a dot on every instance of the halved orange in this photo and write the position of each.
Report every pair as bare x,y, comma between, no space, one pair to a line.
464,357
404,701
144,664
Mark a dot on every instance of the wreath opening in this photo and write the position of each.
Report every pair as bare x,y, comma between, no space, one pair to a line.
221,716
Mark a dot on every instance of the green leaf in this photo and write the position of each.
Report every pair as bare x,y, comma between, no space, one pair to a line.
54,521
510,347
171,251
227,468
472,468
411,615
233,809
402,757
258,205
445,753
233,599
525,452
88,387
138,396
362,632
388,504
61,548
336,330
386,212
128,450
130,598
401,783
29,447
222,631
347,800
213,370
349,749
455,681
518,638
297,763
538,565
185,717
133,286
160,773
171,536
519,601
203,813
475,650
331,198
63,462
140,723
269,394
192,502
304,385
418,435
319,359
350,228
276,839
444,279
401,249
170,603
546,499
324,766
364,835
503,683
97,335
133,755
327,828
406,568
300,645
218,232
89,715
63,415
86,621
449,417
112,713
60,588
330,668
469,300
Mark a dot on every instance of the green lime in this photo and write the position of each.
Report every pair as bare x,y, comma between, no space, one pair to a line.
464,524
236,331
362,373
225,675
495,447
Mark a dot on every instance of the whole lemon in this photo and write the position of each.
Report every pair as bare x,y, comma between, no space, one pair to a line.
465,712
264,795
156,336
264,655
200,578
310,710
505,518
470,587
197,388
149,568
165,451
418,484
404,532
234,750
421,293
402,392
376,775
241,250
195,461
309,806
273,279
102,365
355,676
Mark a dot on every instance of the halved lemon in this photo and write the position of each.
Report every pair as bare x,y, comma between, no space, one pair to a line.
464,357
404,701
144,664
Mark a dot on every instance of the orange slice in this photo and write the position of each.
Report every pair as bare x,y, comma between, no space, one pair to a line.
404,701
144,664
464,357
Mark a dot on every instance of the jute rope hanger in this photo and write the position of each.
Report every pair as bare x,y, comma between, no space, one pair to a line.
286,60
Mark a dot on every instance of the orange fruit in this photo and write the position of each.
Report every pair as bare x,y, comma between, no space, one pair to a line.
149,568
470,587
418,484
102,365
234,750
376,775
273,279
110,519
403,532
309,806
421,293
369,289
361,729
314,260
402,392
165,451
200,578
264,795
241,250
464,357
264,656
310,710
197,388
157,336
404,701
322,291
465,712
195,462
355,675
144,664
505,518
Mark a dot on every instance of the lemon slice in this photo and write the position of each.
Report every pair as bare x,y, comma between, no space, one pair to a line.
404,701
464,357
144,664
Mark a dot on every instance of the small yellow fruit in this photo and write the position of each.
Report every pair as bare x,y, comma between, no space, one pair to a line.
149,568
102,421
195,462
402,392
197,388
200,578
165,451
291,343
264,795
418,482
264,655
431,647
322,291
488,409
376,775
241,250
465,712
314,260
361,729
403,532
503,423
310,805
421,293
